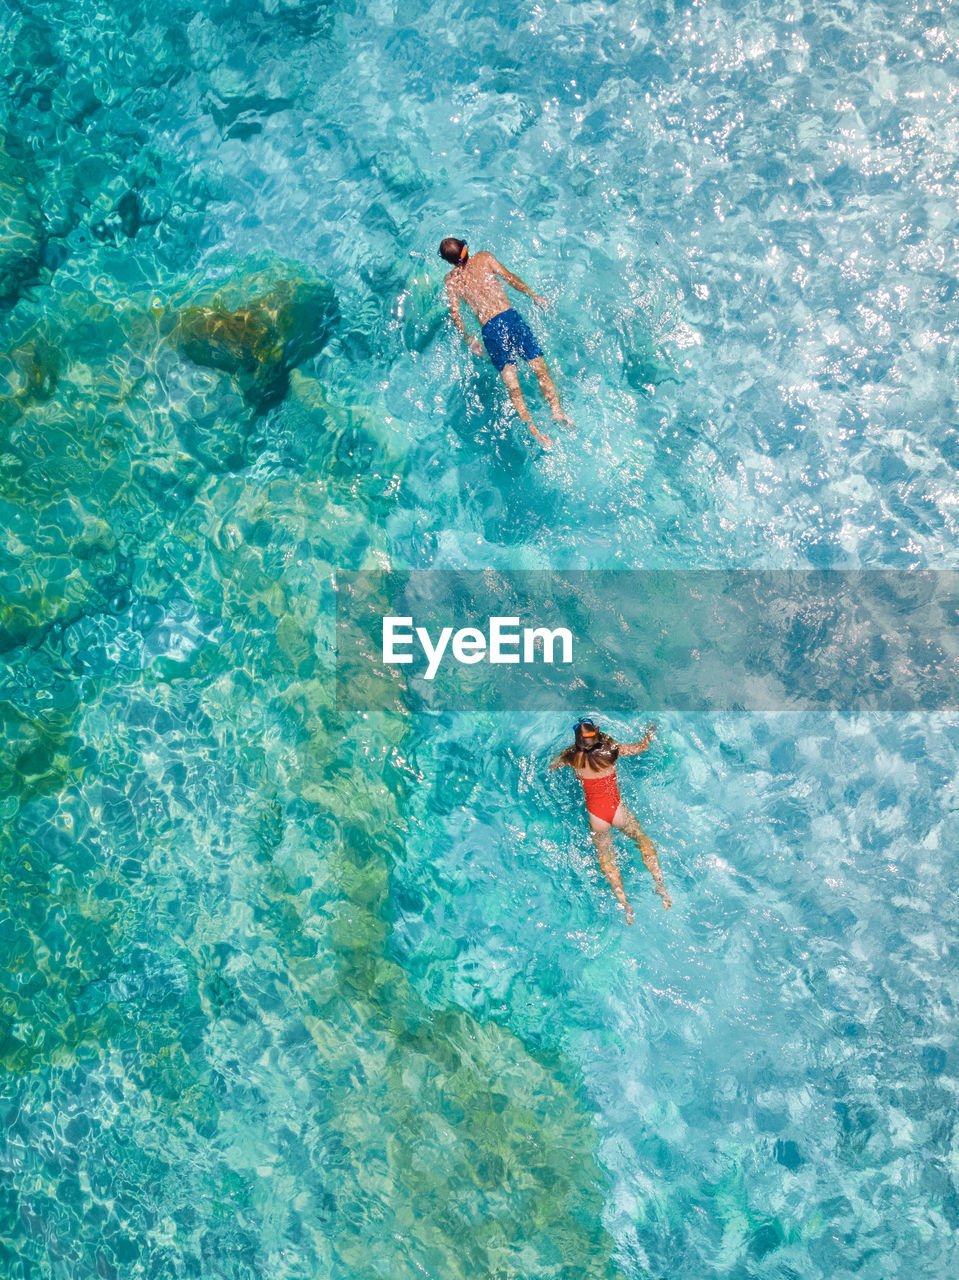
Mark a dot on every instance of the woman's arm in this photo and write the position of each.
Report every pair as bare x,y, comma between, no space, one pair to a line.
558,763
637,748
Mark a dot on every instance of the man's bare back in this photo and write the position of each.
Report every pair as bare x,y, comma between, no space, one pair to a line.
477,282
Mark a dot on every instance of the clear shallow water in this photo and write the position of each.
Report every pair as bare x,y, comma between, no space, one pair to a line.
770,1063
276,1005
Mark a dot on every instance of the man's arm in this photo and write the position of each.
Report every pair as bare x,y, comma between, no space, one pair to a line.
456,315
516,283
637,748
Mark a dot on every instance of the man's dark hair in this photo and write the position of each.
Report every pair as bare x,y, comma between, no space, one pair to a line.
451,249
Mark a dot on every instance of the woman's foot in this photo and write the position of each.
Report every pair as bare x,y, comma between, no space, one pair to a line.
538,435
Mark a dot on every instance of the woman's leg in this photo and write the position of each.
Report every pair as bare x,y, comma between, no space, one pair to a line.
603,840
628,823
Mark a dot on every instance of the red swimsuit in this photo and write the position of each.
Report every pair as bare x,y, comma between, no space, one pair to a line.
602,796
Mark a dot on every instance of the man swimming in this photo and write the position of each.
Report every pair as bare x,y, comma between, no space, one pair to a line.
592,757
476,281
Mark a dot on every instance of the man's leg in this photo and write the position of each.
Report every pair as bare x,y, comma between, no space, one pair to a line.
511,378
628,823
603,841
546,386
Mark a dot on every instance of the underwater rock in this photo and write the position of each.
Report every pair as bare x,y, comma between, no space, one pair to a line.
9,411
353,432
37,363
420,313
259,340
54,562
33,753
21,227
212,419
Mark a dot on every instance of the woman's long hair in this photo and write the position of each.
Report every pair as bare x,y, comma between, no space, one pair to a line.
592,749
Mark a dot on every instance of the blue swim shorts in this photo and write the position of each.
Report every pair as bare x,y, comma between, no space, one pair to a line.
506,334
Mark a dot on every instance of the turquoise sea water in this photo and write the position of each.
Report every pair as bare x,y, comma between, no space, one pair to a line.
285,997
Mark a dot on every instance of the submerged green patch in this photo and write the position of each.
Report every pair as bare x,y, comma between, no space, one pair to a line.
194,911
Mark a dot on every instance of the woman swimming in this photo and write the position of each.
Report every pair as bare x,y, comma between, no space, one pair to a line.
593,759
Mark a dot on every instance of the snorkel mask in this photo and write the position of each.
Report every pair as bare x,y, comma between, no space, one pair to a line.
464,254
